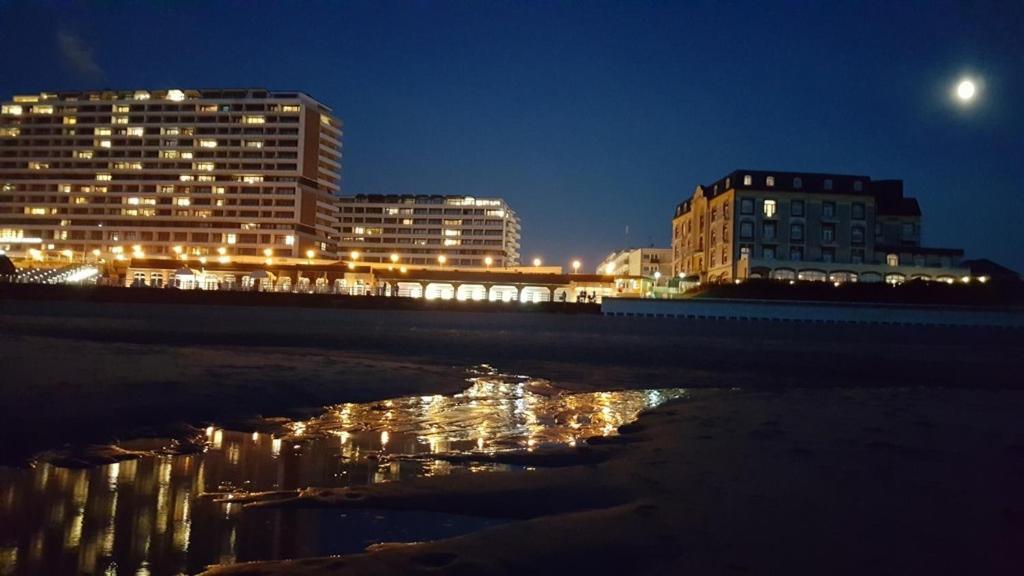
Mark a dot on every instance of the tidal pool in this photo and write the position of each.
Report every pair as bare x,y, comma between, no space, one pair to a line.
147,516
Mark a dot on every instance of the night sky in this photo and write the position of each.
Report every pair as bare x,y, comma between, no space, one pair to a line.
586,116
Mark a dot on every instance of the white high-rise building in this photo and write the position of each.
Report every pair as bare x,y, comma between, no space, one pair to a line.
241,172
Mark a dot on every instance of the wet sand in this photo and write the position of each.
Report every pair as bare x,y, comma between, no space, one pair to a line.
851,449
93,372
882,481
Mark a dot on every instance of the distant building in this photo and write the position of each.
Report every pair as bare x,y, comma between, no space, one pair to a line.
637,262
788,225
191,173
417,230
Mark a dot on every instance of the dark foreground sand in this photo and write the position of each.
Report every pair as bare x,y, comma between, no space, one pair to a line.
883,481
852,449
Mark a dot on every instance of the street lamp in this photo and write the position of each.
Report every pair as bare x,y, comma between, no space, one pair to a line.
657,276
309,256
394,258
442,259
576,266
354,255
488,261
268,252
537,262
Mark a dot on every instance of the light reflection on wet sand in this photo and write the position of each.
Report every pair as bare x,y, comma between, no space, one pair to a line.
144,516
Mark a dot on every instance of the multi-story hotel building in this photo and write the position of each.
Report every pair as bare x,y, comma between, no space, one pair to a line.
420,230
789,225
167,172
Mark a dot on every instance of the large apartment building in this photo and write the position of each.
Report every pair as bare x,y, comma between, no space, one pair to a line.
788,225
420,230
169,172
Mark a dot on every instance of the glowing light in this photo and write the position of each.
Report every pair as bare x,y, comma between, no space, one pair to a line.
268,252
488,261
442,259
403,269
982,279
576,265
222,250
657,275
354,255
202,259
537,262
223,259
177,249
310,254
966,279
966,90
394,258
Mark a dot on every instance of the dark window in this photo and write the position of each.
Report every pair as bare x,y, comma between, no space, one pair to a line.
746,206
828,184
768,252
796,253
828,232
907,230
857,255
747,230
797,208
828,210
857,235
857,211
768,230
828,254
796,232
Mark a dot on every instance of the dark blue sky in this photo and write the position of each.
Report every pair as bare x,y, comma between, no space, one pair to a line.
591,116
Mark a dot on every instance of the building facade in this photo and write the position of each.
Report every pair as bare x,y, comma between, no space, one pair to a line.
637,262
787,225
418,230
169,172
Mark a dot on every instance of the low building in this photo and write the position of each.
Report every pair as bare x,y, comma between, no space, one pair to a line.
637,262
805,226
527,285
456,231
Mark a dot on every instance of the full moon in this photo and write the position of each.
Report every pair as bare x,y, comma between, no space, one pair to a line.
965,90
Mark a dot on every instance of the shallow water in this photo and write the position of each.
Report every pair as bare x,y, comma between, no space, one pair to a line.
146,516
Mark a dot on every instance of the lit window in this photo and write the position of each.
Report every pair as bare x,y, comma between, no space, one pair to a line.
42,109
118,119
103,132
171,131
770,181
169,154
218,189
175,95
230,238
83,154
290,108
253,120
186,178
69,120
136,131
186,155
208,108
38,165
104,143
892,259
252,179
182,202
207,143
253,144
451,241
289,240
11,109
207,166
9,132
123,109
769,208
142,95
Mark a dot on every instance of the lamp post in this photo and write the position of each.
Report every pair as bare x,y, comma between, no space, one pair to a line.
394,258
576,266
442,259
537,262
488,261
309,256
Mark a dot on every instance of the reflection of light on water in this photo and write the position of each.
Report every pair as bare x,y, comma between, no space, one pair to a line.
147,516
